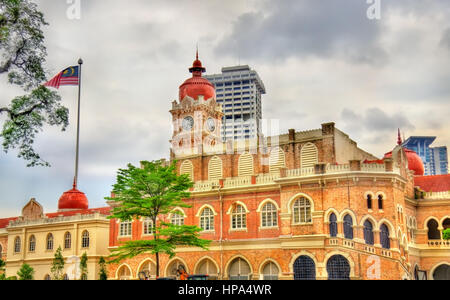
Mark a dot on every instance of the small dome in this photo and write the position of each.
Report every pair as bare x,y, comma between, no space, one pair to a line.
197,85
73,200
414,162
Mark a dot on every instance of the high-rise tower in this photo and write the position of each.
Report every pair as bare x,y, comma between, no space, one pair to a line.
239,90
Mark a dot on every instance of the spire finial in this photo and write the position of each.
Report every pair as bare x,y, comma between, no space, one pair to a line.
399,141
197,52
74,183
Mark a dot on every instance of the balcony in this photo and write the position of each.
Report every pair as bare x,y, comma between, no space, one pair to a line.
273,178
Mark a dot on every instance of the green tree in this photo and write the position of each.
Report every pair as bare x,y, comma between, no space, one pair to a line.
58,265
102,274
22,61
2,269
152,192
83,266
26,272
446,234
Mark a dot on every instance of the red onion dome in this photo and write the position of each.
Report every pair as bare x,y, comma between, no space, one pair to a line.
197,85
414,162
72,200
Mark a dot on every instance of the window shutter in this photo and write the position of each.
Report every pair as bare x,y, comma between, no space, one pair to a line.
215,168
245,167
277,160
309,156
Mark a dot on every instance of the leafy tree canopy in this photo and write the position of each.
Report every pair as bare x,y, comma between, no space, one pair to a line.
22,58
153,191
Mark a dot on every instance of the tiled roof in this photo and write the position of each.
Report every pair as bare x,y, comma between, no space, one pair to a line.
102,210
5,222
437,183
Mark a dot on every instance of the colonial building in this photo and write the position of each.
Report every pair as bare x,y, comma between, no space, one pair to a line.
34,237
301,205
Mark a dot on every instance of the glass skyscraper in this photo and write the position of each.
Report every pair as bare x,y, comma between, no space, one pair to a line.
435,159
239,89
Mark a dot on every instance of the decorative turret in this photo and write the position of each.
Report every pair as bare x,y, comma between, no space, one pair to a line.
197,85
73,200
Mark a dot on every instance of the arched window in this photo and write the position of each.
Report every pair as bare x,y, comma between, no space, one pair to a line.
50,241
270,271
187,168
215,169
338,268
67,240
239,270
269,216
446,224
245,165
433,232
124,273
384,237
175,268
333,225
302,211
47,277
17,245
368,233
207,219
309,155
85,239
125,229
239,217
304,268
442,273
32,244
147,271
147,227
207,267
277,160
177,218
66,277
348,227
369,201
380,202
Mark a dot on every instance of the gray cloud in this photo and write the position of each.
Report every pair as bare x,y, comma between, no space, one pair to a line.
375,120
445,41
306,28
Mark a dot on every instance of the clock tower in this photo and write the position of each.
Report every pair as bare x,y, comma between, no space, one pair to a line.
196,117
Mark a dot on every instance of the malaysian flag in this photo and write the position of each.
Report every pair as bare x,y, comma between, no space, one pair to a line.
67,77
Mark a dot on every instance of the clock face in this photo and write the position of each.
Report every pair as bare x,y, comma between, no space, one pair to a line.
188,123
211,125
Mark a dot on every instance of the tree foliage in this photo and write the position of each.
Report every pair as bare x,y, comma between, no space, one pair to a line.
83,266
2,269
58,265
446,234
102,274
22,58
152,192
26,272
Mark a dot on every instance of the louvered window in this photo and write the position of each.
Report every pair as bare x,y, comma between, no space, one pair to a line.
207,267
187,168
215,168
309,156
277,160
245,167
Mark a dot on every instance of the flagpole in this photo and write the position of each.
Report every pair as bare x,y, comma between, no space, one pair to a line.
80,62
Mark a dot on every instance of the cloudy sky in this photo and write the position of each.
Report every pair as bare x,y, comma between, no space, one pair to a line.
321,61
